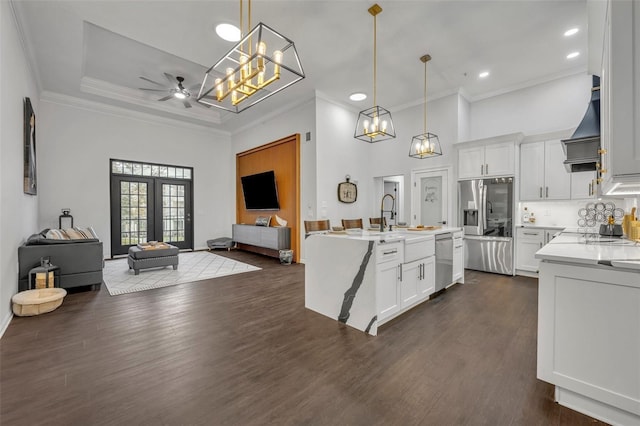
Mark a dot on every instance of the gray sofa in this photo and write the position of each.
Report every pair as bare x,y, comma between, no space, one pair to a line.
80,261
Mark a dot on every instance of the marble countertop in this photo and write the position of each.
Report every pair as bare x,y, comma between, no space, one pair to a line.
397,234
574,247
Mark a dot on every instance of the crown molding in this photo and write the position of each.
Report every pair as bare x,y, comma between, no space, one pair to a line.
325,97
26,46
132,96
530,83
71,101
274,113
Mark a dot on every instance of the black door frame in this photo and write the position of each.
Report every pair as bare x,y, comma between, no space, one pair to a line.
188,207
154,202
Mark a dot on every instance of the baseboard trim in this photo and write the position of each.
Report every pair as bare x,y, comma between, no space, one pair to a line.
5,324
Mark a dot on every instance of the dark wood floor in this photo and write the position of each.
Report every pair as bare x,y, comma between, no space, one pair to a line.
243,350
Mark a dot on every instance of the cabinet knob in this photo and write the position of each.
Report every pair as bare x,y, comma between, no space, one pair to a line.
602,151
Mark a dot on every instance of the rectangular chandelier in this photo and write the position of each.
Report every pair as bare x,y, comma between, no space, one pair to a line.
263,63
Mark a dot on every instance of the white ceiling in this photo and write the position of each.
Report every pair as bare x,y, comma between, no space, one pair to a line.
97,50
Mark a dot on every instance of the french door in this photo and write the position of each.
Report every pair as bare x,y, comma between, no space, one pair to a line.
150,208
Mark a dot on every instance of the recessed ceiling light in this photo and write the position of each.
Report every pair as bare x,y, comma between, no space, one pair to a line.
228,32
571,32
573,55
484,74
358,97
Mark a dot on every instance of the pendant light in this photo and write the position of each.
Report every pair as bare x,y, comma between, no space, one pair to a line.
427,144
260,65
374,124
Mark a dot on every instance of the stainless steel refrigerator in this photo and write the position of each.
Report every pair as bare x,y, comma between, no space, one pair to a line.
486,214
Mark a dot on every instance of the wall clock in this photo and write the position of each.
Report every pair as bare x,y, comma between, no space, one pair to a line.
347,191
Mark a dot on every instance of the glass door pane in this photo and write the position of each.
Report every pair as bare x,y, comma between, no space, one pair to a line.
174,208
131,212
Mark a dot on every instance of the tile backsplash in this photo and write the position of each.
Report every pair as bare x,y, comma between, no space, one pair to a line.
564,213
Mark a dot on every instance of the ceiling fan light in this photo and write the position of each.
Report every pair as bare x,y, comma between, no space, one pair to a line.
180,95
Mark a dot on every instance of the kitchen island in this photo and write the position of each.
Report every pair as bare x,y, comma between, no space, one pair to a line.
589,325
364,278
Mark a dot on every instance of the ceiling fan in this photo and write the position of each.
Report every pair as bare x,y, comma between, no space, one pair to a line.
177,91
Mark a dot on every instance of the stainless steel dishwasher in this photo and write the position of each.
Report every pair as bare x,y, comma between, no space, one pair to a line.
444,260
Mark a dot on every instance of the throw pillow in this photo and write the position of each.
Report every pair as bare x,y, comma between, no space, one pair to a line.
56,234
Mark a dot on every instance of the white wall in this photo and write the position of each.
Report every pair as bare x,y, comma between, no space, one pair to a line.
392,157
299,119
556,105
18,211
78,138
340,154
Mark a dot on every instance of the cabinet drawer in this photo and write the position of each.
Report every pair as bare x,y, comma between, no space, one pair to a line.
418,248
530,234
390,253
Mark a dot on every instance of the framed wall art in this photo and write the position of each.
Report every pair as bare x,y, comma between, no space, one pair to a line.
30,178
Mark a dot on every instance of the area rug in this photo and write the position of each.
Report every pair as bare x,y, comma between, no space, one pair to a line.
192,266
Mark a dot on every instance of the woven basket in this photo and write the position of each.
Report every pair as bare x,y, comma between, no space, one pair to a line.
35,302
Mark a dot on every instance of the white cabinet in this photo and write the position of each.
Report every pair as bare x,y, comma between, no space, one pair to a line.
583,185
528,242
389,258
589,339
387,289
486,161
410,275
542,172
427,278
620,98
458,258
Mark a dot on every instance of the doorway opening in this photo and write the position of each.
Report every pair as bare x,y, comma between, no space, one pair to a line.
393,209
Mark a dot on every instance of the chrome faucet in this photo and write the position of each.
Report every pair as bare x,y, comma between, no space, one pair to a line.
382,210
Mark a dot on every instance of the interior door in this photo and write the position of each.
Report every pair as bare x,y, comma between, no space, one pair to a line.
430,197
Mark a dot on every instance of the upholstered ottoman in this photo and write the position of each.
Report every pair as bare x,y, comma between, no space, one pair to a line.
156,257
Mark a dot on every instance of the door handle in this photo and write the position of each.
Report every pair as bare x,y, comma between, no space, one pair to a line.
486,169
400,265
547,193
540,192
481,169
540,245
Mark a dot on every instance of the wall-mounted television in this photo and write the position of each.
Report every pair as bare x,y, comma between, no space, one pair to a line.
260,191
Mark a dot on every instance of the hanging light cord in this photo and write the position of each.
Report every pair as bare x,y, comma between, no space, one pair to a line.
248,21
374,60
425,97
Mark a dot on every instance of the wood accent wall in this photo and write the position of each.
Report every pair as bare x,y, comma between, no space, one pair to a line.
283,157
